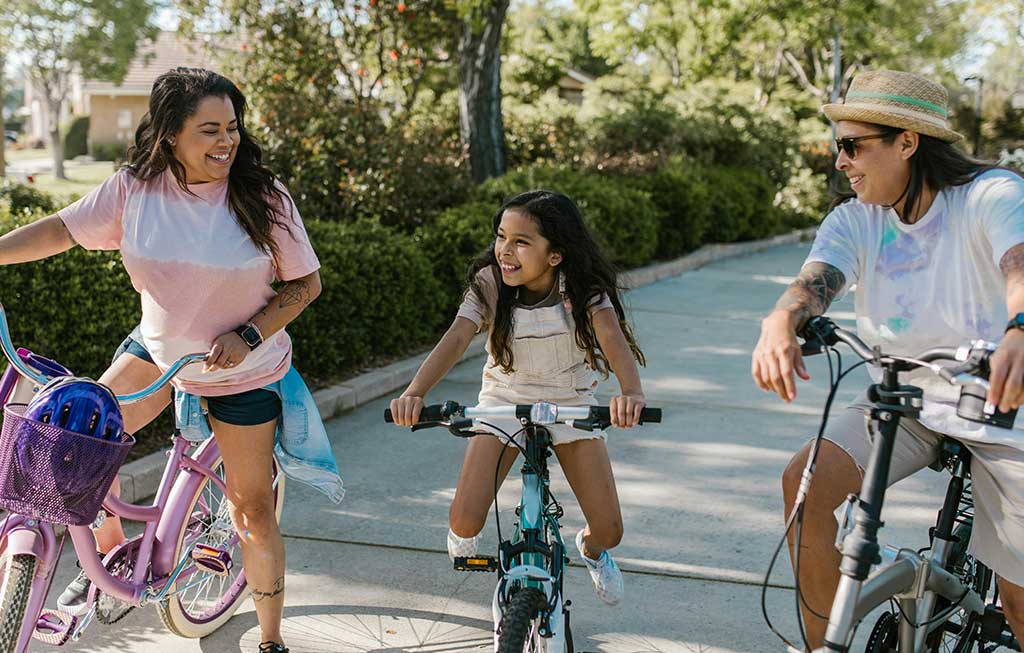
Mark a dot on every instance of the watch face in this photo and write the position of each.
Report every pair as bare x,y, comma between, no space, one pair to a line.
250,336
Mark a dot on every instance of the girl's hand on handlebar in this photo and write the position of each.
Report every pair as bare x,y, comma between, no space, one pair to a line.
625,410
405,411
777,357
1006,381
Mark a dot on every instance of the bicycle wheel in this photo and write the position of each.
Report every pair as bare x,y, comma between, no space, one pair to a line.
521,621
201,609
16,575
884,636
961,630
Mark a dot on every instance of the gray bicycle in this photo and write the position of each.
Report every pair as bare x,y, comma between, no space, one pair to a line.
943,600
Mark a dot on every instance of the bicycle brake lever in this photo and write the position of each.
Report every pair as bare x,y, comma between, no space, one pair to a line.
427,425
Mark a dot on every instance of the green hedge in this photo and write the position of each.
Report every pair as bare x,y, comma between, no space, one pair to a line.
683,200
451,241
76,137
380,299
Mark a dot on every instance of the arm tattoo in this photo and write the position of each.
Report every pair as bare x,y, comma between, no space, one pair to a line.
257,595
296,292
812,292
1012,263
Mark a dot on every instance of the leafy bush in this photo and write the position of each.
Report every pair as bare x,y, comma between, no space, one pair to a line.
20,198
451,241
623,218
742,204
679,191
380,299
544,130
76,137
115,152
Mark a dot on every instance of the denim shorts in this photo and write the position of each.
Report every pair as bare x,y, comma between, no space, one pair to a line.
243,409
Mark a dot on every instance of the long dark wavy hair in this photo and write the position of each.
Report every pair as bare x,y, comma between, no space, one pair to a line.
253,195
936,163
588,275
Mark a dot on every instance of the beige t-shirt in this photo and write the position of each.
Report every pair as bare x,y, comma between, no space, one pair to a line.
480,310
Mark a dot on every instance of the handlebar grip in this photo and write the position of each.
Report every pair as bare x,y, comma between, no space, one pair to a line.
602,414
430,413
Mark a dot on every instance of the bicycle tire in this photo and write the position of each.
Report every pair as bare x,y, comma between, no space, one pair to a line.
179,615
884,636
520,621
16,575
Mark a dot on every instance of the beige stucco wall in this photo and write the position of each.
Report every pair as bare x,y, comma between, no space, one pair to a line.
114,119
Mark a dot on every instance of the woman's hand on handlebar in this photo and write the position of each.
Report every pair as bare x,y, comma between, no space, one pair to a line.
1006,381
405,410
777,356
624,410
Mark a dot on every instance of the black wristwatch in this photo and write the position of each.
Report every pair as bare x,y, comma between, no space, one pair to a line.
250,333
1016,322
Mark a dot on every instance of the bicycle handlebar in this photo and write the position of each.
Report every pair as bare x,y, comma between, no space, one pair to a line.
42,379
971,374
587,418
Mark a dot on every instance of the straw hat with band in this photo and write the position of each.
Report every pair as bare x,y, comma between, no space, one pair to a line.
896,99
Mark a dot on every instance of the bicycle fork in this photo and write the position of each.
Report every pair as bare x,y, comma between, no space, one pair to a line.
30,536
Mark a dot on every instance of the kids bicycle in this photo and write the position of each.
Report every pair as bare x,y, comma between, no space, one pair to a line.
943,599
184,560
530,612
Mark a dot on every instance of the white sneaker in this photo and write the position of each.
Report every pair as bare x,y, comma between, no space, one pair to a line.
604,572
461,547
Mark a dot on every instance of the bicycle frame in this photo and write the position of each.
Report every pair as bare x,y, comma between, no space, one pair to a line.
915,581
155,557
527,544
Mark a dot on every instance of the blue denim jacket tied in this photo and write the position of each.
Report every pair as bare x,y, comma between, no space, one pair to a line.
302,448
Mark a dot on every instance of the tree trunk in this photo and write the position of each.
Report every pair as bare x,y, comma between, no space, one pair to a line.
480,123
55,142
3,127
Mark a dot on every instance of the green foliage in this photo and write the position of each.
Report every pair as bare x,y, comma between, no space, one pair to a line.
624,219
543,130
115,152
742,204
76,137
380,299
20,199
451,241
679,191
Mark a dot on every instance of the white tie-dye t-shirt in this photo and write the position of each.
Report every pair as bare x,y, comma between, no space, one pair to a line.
197,271
933,283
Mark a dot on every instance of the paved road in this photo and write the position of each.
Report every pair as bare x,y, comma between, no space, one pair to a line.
700,498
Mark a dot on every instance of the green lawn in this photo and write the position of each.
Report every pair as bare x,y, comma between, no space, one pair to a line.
81,178
27,154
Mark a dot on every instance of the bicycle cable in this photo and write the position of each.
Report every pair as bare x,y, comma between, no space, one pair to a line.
795,518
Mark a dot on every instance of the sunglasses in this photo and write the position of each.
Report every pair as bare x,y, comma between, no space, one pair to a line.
849,144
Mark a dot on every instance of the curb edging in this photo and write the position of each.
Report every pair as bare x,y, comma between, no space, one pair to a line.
141,478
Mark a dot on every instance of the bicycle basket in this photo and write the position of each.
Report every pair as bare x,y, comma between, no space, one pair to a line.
54,474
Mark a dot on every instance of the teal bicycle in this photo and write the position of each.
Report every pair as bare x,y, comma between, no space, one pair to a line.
531,614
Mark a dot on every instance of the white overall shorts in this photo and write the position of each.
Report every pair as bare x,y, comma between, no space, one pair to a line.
548,366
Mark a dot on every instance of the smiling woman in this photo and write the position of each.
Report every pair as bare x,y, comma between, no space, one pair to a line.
204,230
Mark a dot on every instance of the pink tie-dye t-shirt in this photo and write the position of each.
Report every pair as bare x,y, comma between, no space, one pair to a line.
198,272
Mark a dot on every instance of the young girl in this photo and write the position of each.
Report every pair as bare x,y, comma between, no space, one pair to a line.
548,296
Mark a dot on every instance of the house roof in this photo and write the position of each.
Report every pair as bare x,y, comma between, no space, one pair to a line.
169,50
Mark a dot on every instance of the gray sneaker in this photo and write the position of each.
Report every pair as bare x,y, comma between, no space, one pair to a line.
72,600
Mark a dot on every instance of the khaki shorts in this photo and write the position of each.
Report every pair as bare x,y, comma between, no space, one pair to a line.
997,473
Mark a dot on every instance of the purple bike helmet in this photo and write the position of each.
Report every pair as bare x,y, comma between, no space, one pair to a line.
79,405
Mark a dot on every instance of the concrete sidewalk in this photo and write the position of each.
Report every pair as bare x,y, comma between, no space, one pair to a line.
700,499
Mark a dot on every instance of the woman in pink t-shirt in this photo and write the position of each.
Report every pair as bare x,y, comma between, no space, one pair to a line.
203,229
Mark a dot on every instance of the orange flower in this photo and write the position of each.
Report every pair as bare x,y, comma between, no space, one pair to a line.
244,47
373,3
361,72
419,62
276,77
401,7
394,55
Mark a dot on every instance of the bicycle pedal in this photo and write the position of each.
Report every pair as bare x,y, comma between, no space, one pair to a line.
212,559
476,563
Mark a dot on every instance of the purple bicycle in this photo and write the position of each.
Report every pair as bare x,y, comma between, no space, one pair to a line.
184,559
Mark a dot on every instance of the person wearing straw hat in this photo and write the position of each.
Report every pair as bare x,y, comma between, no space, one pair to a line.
934,242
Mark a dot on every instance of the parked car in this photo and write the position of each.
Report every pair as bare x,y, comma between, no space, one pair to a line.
10,136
